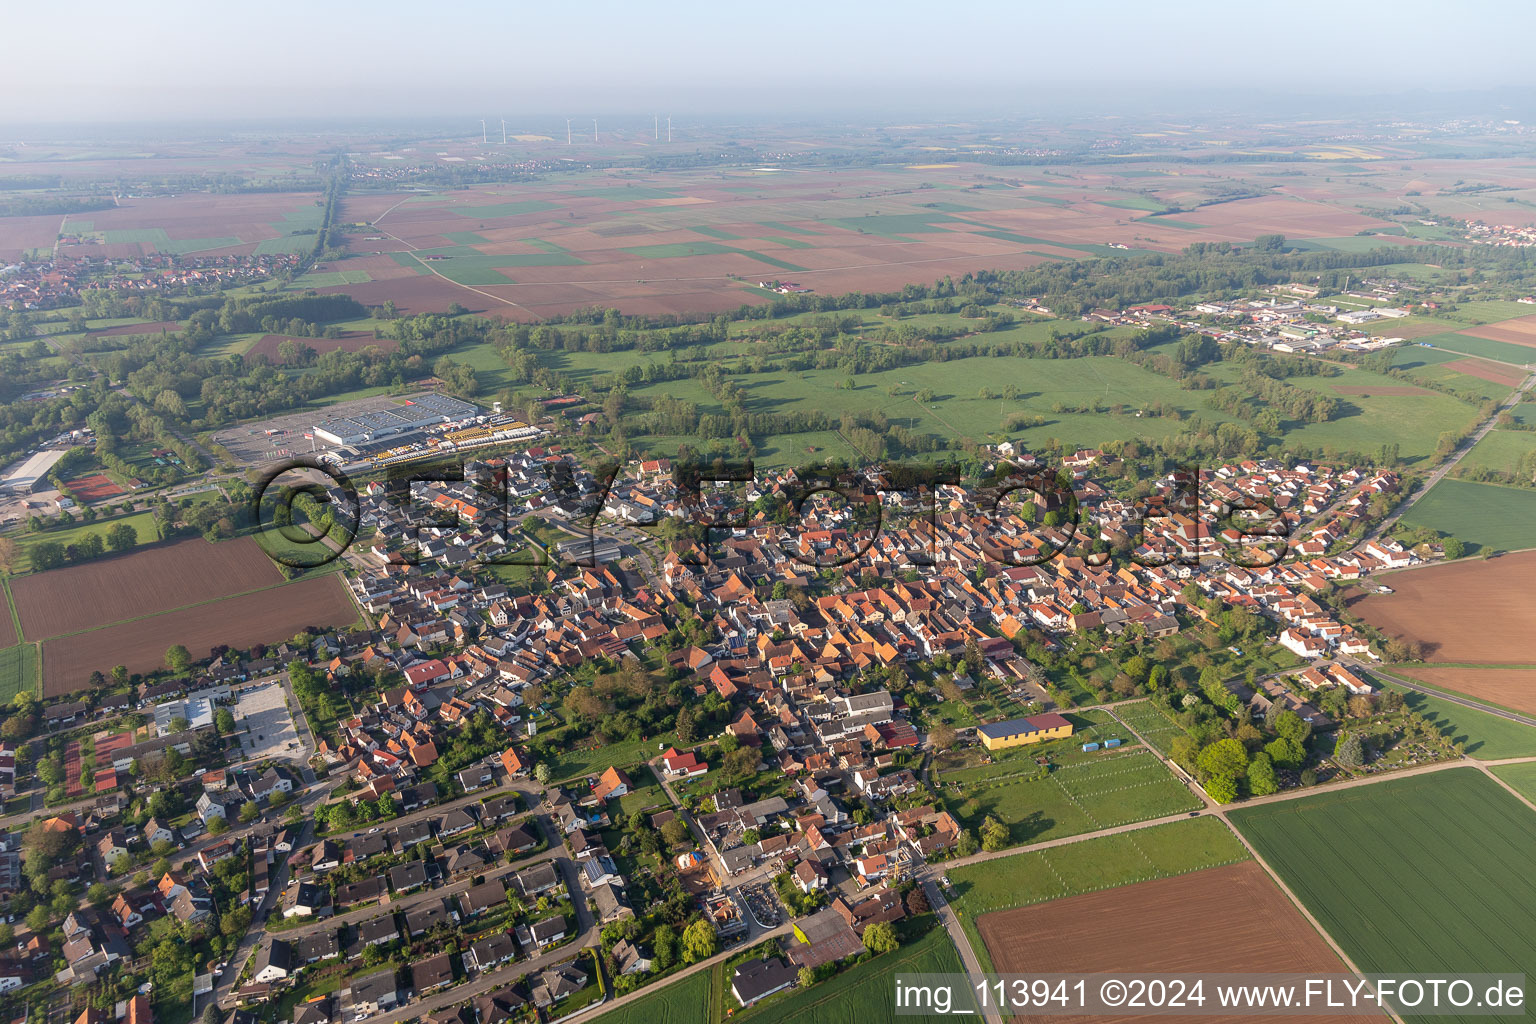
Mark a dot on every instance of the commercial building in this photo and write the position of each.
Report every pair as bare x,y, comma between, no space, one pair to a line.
1017,732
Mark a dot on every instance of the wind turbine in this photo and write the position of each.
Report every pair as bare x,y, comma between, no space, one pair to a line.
567,131
669,127
483,137
503,131
656,127
594,131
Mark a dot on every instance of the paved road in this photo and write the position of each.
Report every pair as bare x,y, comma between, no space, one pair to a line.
962,941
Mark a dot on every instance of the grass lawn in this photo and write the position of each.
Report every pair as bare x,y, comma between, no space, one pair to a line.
142,522
1411,874
18,669
1103,863
646,791
573,762
680,1002
1484,516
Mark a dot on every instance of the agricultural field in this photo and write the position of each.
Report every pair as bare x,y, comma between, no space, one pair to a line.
140,583
1511,688
142,522
18,670
262,616
1446,881
1520,777
1485,516
1163,926
1501,451
679,1002
1104,862
195,223
1468,612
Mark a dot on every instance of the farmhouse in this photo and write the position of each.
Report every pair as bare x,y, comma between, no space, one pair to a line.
1020,731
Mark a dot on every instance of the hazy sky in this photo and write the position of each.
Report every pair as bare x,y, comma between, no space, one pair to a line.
169,59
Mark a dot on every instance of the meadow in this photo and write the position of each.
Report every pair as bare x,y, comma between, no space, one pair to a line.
1484,516
1500,451
1410,875
143,524
685,1001
1484,736
18,670
1520,777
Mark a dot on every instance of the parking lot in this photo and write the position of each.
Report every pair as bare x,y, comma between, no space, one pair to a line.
268,729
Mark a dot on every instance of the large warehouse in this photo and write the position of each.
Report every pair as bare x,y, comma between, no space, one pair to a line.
421,411
31,476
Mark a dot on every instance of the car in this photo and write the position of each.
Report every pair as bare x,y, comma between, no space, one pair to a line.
1194,814
357,835
372,831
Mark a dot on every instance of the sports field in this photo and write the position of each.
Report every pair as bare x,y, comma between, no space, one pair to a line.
1419,874
1482,515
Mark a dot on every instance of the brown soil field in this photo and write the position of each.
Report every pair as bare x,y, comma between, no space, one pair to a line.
264,617
1519,331
1510,687
18,234
1162,926
419,294
1471,611
1385,389
351,341
1485,370
157,327
96,487
142,582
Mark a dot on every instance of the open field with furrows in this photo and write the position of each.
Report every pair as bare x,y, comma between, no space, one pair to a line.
7,616
195,224
1163,926
1412,874
1520,777
1487,517
139,583
1472,611
265,616
678,1002
1113,789
1105,862
689,241
1513,688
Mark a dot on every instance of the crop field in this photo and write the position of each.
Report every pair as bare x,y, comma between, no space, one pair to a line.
679,1002
1520,777
264,616
1162,926
350,341
142,522
1485,516
1501,450
18,670
1486,348
1520,330
865,993
1467,612
1410,875
1104,862
209,225
1149,721
1109,788
139,583
1513,688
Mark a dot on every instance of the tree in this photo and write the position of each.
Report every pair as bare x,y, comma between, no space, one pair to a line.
177,658
98,894
699,941
1351,751
806,978
10,552
121,537
1224,757
1285,752
224,721
994,834
917,901
1221,788
675,832
880,937
217,826
38,918
277,799
47,554
942,736
1261,776
249,812
541,773
966,844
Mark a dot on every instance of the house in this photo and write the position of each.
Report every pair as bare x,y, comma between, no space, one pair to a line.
630,958
480,898
758,979
156,831
611,785
455,822
111,845
274,962
360,891
498,1007
273,780
424,917
326,856
541,933
407,876
540,878
322,945
555,984
884,905
376,931
303,899
513,839
1019,731
371,994
491,951
685,766
477,777
824,937
431,974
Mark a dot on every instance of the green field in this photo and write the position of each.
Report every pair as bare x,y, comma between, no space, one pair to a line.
1148,720
1486,737
865,993
1102,863
1502,351
1482,515
496,210
1501,450
1410,875
142,522
1522,777
465,265
18,669
680,1002
1102,790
